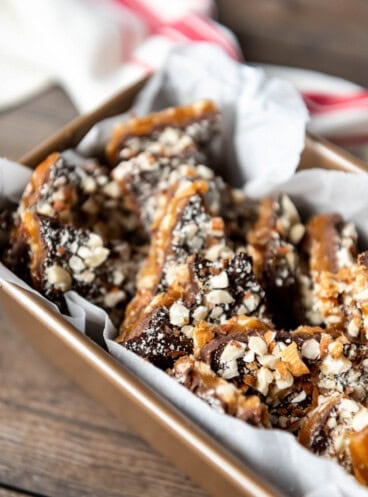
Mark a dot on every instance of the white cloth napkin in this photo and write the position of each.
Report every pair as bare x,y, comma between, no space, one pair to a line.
93,48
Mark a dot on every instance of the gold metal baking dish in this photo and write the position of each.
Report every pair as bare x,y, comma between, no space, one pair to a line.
125,395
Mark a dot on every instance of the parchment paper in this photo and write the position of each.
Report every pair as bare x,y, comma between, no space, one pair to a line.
264,133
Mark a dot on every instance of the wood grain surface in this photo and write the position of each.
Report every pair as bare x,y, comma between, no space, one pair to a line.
54,440
325,35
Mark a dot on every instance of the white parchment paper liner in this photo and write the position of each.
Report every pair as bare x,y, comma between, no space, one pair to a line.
264,134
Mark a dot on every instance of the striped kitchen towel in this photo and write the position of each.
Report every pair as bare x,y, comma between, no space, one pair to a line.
94,48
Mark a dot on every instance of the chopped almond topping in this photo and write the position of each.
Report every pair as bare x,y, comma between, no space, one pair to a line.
336,349
295,364
202,334
324,343
282,369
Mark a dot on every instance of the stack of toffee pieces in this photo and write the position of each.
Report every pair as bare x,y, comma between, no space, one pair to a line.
259,314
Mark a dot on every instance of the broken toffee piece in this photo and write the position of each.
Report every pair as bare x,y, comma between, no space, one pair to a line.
183,133
342,300
218,393
288,369
79,192
159,151
63,258
340,282
338,429
272,243
331,244
191,263
69,234
155,337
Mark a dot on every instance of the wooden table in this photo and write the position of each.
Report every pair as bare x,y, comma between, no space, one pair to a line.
54,440
329,36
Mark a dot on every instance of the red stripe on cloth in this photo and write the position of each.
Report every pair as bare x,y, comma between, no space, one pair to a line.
142,64
198,28
321,103
148,15
172,34
192,26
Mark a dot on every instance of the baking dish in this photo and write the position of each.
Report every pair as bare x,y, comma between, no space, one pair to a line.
100,375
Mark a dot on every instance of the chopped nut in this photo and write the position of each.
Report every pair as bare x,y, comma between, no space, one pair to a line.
102,180
84,252
112,189
94,240
362,296
196,243
179,314
45,209
268,360
190,230
295,364
201,335
290,259
219,297
269,336
188,331
200,313
353,328
335,349
238,195
242,310
226,391
169,136
310,349
205,172
299,398
229,370
175,272
85,277
59,278
217,251
88,184
284,379
331,366
264,379
118,277
217,226
289,209
76,264
360,420
219,281
332,423
324,343
296,233
113,298
233,350
348,407
97,257
278,348
251,301
257,345
249,356
216,312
